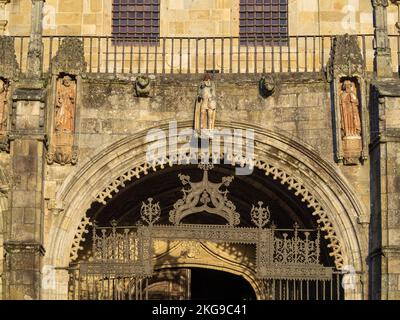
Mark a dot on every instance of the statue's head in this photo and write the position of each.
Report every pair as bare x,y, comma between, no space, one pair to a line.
143,81
67,81
207,77
348,86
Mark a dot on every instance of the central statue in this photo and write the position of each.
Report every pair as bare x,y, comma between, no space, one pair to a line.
206,105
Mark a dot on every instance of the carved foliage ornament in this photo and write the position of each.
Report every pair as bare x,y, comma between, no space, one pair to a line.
9,68
70,58
62,149
204,196
150,212
346,59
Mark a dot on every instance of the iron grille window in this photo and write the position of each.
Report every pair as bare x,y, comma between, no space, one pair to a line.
264,19
136,20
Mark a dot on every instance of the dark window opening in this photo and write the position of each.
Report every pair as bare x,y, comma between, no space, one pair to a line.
136,21
263,22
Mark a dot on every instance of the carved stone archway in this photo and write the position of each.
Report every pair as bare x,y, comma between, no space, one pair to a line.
290,162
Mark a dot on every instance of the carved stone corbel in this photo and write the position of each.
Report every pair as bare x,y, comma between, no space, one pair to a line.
267,86
67,68
142,86
346,73
55,207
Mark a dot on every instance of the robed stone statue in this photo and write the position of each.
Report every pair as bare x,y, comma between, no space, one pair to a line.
349,108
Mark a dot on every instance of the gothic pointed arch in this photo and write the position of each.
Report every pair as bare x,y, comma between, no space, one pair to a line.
291,163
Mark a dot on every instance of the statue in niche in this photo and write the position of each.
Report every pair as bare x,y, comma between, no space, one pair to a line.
350,122
3,105
349,107
65,105
206,105
62,148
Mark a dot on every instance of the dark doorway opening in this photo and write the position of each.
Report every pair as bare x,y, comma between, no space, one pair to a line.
209,284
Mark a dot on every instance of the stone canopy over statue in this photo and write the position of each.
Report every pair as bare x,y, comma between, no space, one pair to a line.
206,105
350,122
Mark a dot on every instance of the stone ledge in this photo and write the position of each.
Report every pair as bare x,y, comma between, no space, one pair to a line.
389,88
24,247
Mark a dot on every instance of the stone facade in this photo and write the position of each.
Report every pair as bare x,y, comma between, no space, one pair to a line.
43,203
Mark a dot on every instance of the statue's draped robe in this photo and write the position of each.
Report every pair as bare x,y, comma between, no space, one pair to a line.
65,108
350,116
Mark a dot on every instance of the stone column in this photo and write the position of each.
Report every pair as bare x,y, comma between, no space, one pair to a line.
3,18
24,244
383,58
35,43
384,257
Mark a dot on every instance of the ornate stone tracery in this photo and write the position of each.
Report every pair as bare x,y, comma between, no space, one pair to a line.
197,198
277,174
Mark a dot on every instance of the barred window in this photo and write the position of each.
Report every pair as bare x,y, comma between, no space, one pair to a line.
264,19
136,20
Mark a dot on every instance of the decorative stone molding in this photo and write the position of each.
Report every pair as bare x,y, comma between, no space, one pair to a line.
80,237
70,58
9,68
346,59
55,207
277,174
